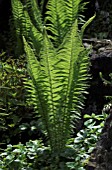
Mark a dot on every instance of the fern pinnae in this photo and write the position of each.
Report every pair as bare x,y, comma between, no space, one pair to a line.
42,4
72,11
65,76
74,52
48,62
72,47
35,14
26,25
34,70
55,20
18,17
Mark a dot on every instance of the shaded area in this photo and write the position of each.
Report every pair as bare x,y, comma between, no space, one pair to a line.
101,157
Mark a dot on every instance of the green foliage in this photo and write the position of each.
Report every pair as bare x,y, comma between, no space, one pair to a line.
60,76
10,93
59,17
87,138
60,79
34,13
34,155
22,157
25,26
15,109
18,13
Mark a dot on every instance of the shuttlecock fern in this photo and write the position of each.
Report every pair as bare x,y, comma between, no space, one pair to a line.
58,66
60,80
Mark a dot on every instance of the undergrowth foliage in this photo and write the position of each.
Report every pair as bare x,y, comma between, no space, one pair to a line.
57,63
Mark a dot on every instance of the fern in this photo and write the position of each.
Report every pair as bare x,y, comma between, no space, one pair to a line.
72,10
35,14
60,17
17,9
60,76
56,19
86,24
24,25
60,81
74,66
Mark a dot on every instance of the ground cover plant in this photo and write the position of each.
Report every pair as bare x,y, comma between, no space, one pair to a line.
58,67
35,155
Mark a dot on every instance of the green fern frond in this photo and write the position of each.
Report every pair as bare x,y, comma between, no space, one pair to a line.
35,14
55,20
36,39
47,88
74,74
60,16
30,92
18,16
54,92
32,34
35,73
72,11
26,25
86,24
